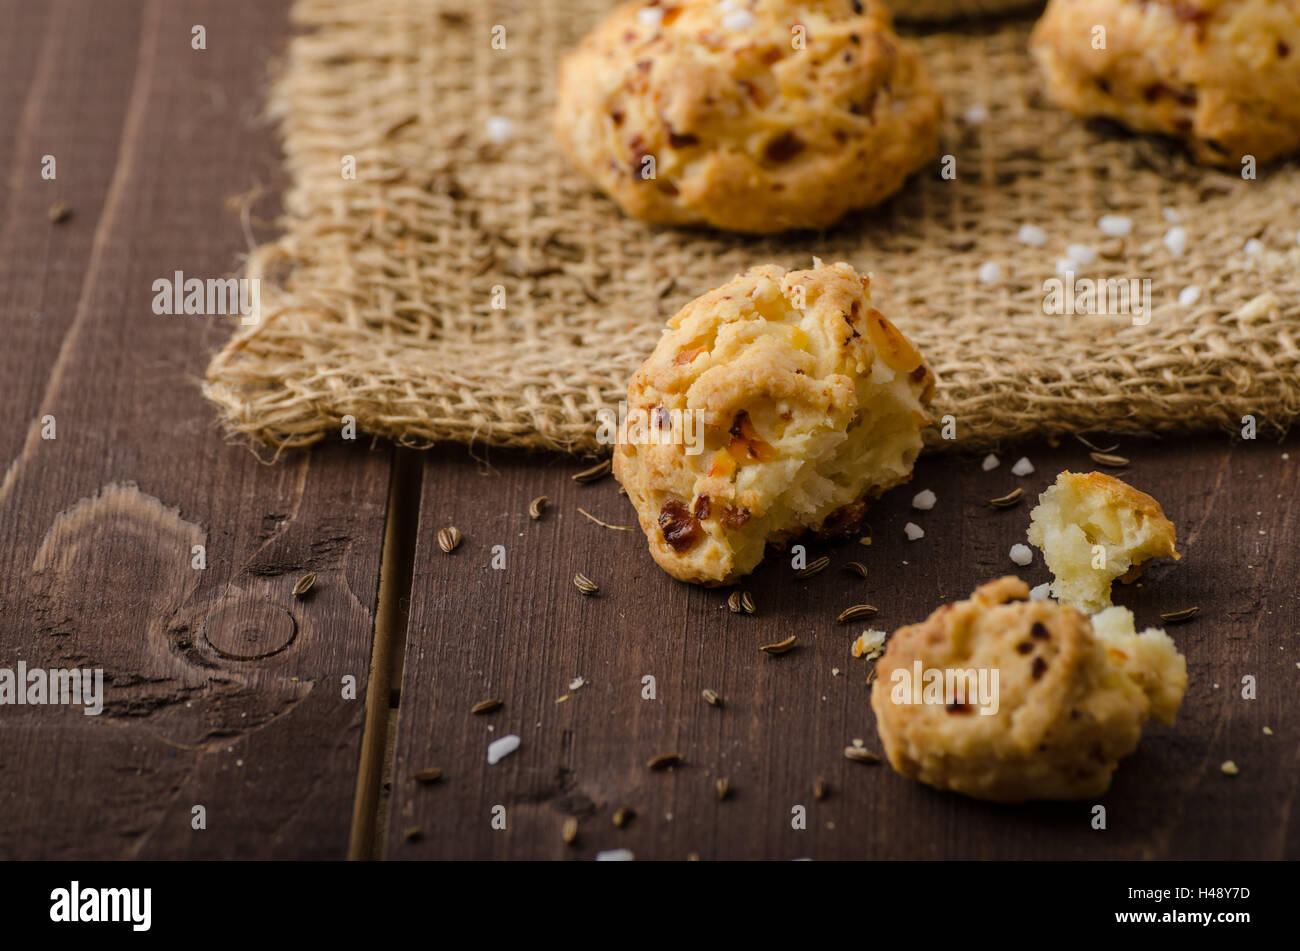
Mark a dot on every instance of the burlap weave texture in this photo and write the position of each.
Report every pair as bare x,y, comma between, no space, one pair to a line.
378,300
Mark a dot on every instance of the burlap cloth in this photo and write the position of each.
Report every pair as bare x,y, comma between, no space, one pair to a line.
377,300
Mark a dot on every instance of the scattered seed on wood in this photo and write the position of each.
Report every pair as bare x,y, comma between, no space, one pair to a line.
623,815
747,602
780,647
819,788
536,505
723,788
664,760
857,611
60,212
815,567
430,775
617,528
1175,617
860,755
596,472
871,675
711,697
304,584
1095,448
733,603
570,831
1008,500
486,706
449,538
413,834
856,568
585,584
1106,459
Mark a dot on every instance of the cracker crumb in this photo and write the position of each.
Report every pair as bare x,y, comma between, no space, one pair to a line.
1229,768
1268,731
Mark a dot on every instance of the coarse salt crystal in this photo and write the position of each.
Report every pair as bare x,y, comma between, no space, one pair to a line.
1081,254
913,531
1176,240
990,273
615,855
976,114
1023,467
1254,246
1065,266
500,129
1116,226
1171,215
738,20
501,748
1040,592
650,16
1021,554
1189,295
1033,236
990,463
924,500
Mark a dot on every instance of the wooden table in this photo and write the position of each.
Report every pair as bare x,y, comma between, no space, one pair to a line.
227,692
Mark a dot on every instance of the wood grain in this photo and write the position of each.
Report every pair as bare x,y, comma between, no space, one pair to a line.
223,690
522,633
226,691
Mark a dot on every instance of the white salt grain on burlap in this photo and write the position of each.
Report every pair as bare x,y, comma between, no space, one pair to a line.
1116,226
1081,254
1189,295
1032,235
990,273
1176,240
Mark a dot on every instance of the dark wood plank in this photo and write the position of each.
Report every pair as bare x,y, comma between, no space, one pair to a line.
222,689
522,633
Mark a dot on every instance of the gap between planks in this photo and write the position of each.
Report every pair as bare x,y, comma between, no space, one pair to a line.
401,529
